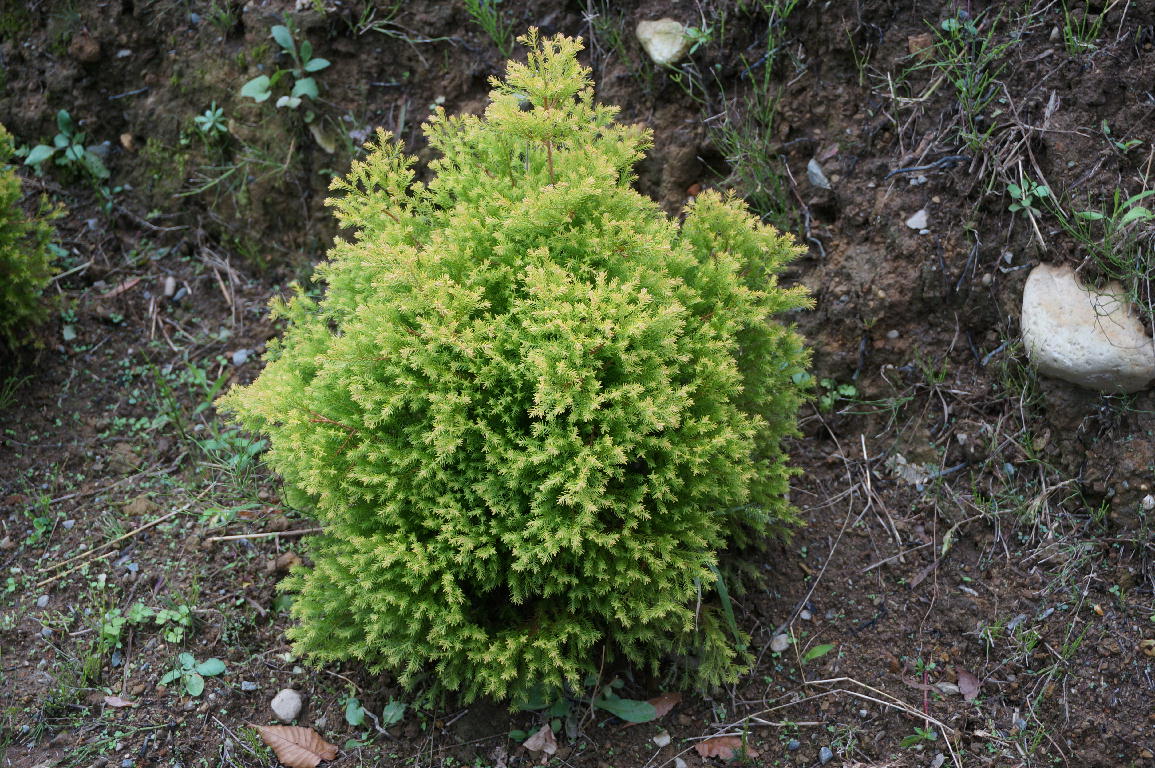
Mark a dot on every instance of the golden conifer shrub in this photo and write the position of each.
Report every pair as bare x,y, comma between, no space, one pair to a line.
530,409
25,256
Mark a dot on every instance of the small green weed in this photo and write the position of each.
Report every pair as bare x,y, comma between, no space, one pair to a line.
1118,237
211,123
487,15
69,151
969,55
391,714
192,673
1081,28
260,88
919,736
1025,196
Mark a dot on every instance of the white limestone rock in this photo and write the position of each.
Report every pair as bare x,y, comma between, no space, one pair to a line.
665,40
286,705
1090,338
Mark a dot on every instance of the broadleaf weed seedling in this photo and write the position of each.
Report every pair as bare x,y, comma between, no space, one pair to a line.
1025,196
305,65
192,673
211,123
69,151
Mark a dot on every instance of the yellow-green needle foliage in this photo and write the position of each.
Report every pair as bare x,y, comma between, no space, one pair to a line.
25,258
530,409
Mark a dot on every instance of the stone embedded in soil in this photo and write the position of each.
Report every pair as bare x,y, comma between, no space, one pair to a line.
286,705
825,755
84,48
664,40
122,459
918,220
662,739
780,643
816,175
1091,338
141,506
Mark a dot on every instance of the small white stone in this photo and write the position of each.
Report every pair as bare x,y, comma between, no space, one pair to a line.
892,334
664,40
780,643
918,220
805,615
679,763
42,601
1091,338
815,174
169,286
1148,502
286,705
662,739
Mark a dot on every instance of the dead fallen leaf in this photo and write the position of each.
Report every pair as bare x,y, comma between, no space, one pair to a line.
125,286
543,741
725,747
116,701
968,684
296,746
665,702
662,705
1148,647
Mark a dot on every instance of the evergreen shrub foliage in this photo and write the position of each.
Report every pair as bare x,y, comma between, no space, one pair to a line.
530,409
25,256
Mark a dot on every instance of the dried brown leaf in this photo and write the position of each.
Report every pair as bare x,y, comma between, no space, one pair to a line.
665,702
968,684
542,741
116,701
296,746
725,747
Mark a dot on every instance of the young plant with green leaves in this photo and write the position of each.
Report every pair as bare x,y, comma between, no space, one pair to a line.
530,409
305,65
192,673
487,15
68,150
25,254
1120,236
971,55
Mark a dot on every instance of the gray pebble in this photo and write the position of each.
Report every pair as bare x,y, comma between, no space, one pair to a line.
805,615
42,601
68,524
248,685
286,705
241,356
825,755
793,745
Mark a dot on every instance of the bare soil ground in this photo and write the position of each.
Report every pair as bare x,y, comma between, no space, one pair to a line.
978,543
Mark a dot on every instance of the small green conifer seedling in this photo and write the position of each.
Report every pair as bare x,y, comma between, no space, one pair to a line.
530,408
